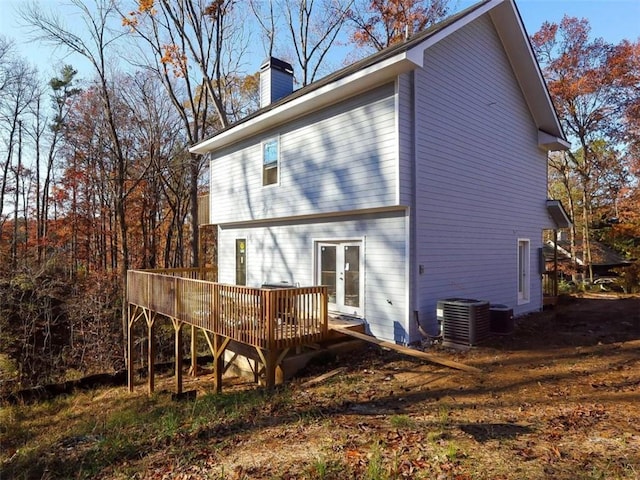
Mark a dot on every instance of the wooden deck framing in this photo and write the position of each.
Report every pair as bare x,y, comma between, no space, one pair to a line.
271,321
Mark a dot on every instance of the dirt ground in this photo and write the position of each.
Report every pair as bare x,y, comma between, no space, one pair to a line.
557,399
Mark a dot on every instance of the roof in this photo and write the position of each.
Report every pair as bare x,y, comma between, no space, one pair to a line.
402,57
601,254
558,214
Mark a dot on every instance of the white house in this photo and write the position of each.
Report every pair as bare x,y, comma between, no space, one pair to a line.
416,174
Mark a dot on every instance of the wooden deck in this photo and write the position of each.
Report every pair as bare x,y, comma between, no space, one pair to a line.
271,321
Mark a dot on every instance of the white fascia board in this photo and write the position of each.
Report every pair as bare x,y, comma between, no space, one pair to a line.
558,214
416,54
333,92
551,143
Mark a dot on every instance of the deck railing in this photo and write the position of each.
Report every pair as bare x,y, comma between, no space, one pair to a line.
264,318
195,273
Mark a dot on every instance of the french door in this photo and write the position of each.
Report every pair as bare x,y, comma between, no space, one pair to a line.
340,268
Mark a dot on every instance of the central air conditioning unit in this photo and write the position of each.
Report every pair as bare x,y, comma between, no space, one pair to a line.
464,321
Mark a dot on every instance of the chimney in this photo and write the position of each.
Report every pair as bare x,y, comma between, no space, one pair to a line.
276,81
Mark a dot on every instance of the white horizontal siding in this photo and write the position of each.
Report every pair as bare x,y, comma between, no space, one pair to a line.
285,252
481,178
342,158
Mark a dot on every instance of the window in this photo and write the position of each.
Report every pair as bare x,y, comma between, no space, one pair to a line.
270,158
241,261
524,284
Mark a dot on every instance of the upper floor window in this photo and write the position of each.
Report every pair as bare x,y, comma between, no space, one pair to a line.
270,160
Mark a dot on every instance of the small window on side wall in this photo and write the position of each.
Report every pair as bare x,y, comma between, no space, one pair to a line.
524,282
270,160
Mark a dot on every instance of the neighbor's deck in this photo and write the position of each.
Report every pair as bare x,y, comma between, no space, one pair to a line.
270,320
550,288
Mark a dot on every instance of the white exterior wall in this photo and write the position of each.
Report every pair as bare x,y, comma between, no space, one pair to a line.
285,252
469,172
481,179
339,159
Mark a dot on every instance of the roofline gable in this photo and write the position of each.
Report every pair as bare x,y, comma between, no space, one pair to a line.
327,94
386,65
416,53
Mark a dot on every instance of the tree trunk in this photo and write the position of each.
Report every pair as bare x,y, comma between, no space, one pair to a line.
193,197
14,242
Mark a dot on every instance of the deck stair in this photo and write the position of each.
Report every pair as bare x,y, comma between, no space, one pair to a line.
242,359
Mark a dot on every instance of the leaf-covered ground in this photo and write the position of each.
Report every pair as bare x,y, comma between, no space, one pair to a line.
558,399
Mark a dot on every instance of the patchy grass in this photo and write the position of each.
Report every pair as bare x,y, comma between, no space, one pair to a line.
402,421
558,399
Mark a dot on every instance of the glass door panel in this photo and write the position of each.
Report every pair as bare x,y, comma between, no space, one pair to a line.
351,266
328,270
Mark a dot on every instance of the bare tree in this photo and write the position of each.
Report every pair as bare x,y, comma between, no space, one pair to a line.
265,15
63,88
94,45
195,47
158,135
18,89
378,24
6,56
313,26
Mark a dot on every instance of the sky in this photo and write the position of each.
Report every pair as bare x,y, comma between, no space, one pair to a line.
612,20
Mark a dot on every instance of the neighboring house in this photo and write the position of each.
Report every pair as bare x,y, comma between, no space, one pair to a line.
416,174
603,258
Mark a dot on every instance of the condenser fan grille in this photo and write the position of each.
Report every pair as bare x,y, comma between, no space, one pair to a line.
464,321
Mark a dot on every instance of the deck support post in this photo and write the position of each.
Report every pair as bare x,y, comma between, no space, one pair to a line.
129,349
177,327
279,373
324,314
151,350
270,369
134,312
272,359
220,344
217,346
256,370
194,354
